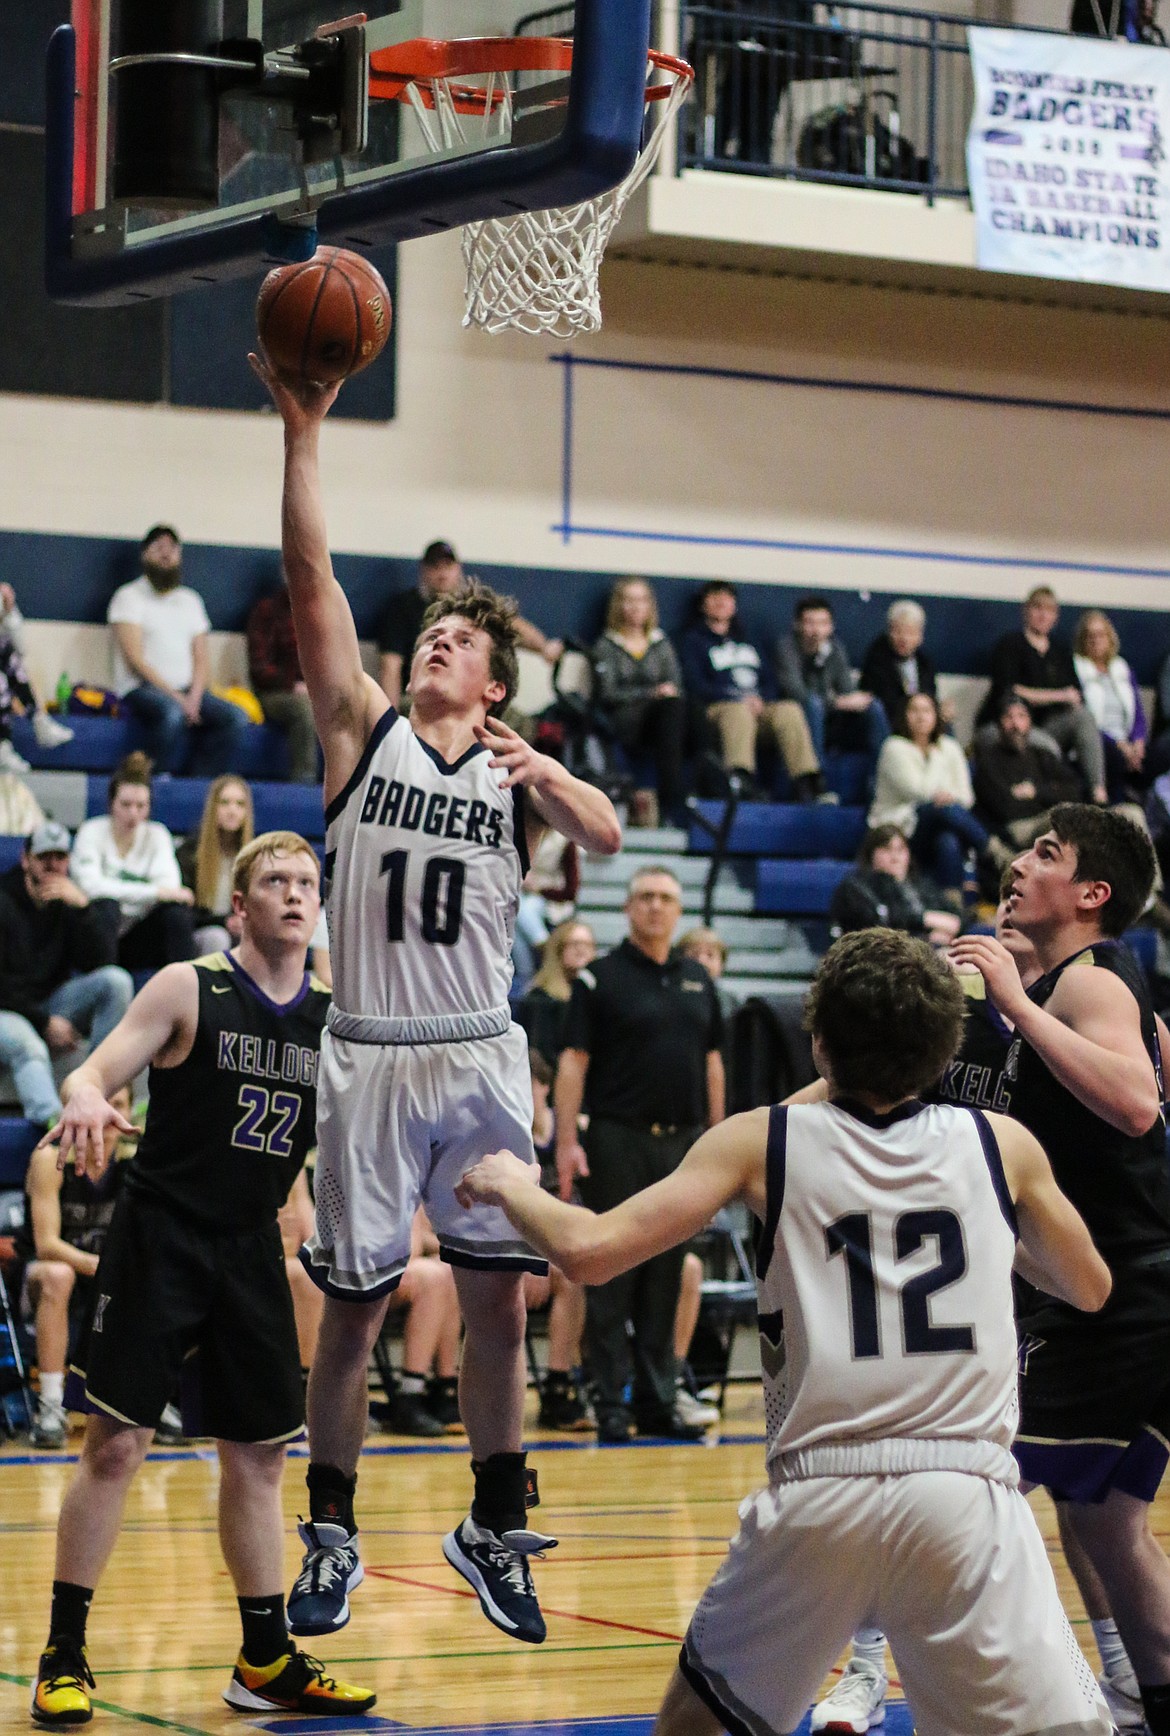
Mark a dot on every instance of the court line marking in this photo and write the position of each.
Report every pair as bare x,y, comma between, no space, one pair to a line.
127,1712
566,1614
752,1439
546,1650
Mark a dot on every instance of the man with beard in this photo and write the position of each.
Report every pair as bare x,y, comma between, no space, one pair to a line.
161,665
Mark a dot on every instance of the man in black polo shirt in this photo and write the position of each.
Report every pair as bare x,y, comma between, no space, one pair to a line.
642,1054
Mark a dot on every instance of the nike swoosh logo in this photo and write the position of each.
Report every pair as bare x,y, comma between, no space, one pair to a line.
225,990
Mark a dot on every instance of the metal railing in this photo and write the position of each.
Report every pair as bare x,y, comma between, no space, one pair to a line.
866,96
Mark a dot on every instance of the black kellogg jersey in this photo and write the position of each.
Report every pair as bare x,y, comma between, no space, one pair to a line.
1119,1184
229,1128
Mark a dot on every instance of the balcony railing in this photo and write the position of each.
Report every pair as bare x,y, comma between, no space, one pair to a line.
866,96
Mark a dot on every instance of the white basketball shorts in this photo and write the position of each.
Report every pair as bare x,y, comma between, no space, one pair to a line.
950,1565
400,1124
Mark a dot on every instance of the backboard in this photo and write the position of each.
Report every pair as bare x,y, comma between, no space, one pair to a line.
191,141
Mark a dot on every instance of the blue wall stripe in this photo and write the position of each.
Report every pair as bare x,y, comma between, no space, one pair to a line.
880,388
949,557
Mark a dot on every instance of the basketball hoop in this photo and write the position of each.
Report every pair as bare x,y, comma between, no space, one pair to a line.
536,272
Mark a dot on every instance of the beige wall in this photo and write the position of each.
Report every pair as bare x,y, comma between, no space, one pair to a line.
475,451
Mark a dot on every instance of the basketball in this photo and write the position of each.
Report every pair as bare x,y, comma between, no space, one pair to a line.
324,319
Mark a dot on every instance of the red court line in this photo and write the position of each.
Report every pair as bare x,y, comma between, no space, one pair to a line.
565,1614
562,1558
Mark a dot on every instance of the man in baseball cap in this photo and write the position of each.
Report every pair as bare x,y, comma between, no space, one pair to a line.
58,983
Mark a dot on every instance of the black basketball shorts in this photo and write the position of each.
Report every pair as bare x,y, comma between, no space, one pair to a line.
1095,1390
173,1298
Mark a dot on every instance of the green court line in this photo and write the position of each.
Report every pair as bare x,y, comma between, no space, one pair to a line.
123,1711
401,1658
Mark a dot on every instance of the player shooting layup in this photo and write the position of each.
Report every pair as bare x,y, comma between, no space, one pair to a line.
889,1230
422,1069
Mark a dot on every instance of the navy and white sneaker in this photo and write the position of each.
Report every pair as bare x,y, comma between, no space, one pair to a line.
498,1569
319,1600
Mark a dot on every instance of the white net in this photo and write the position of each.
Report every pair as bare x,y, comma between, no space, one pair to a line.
539,272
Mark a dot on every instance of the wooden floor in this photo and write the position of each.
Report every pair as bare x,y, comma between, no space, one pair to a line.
642,1529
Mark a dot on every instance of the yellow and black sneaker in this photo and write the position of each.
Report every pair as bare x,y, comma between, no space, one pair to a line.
294,1683
59,1692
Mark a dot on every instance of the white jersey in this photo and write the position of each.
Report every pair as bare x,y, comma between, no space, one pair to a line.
884,1285
423,865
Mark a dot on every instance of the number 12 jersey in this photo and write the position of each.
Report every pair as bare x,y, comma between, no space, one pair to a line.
423,866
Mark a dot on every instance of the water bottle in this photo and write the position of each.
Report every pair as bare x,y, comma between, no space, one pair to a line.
64,690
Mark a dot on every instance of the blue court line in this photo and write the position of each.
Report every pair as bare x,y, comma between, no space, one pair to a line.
582,1445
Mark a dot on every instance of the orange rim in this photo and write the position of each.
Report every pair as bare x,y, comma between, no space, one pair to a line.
423,62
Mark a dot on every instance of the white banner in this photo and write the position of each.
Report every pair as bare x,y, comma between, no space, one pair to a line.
1066,157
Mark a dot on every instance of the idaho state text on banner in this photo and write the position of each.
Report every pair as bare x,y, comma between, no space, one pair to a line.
1067,157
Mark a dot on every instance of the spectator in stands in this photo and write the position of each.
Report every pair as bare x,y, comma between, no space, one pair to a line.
812,667
125,863
896,667
884,891
274,669
710,950
161,667
638,690
58,983
1113,700
924,788
440,572
206,859
1040,669
1016,778
642,1052
15,683
547,897
66,1219
727,678
545,1007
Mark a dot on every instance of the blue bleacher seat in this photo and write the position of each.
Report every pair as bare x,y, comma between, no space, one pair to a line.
10,849
784,829
17,1138
178,804
786,888
100,742
848,775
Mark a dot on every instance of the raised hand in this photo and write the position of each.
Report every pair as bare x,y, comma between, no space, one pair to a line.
512,754
301,403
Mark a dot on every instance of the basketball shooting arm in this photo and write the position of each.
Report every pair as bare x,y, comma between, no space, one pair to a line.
1055,1251
1088,1035
158,1028
727,1163
346,701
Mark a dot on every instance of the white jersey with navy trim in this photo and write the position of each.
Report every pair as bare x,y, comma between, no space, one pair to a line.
423,866
884,1288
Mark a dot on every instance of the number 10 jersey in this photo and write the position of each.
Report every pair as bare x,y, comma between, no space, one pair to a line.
884,1286
423,866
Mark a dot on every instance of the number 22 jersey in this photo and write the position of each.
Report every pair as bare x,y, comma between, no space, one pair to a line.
423,865
229,1128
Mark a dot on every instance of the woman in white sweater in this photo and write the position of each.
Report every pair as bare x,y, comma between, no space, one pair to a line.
924,787
125,862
